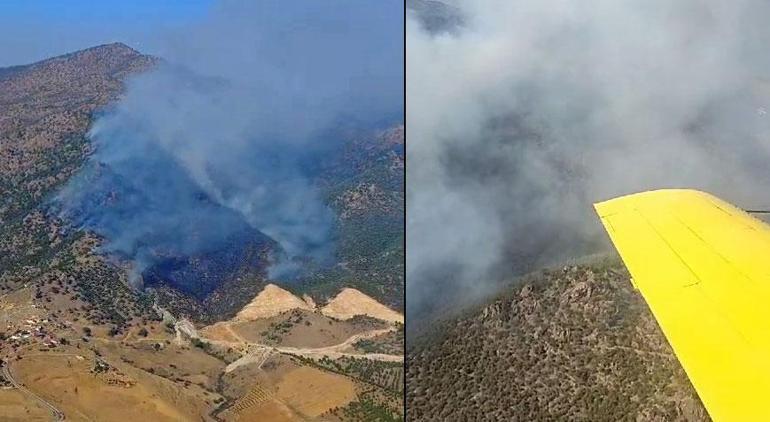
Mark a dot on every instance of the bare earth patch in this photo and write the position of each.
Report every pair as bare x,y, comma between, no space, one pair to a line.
351,302
15,406
271,301
312,392
71,385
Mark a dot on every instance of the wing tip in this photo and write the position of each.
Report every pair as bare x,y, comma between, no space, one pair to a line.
625,202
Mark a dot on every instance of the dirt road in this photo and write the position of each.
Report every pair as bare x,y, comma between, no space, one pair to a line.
337,350
334,351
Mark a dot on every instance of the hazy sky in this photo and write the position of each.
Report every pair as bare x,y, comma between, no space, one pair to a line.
37,29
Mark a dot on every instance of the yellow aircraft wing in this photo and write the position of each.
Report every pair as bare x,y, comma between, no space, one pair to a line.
703,266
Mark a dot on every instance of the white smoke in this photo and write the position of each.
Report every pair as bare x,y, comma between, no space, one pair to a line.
235,125
532,110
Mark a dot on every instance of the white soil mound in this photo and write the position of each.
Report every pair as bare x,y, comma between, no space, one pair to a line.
271,301
350,302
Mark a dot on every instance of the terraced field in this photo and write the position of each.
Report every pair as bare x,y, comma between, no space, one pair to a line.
255,397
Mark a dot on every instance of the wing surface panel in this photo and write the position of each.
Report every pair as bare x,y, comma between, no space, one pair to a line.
703,267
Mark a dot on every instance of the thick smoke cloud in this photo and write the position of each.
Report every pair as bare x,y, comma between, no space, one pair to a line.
533,110
233,126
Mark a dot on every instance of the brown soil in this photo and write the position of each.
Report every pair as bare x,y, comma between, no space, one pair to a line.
287,390
269,410
69,383
305,329
271,301
312,392
15,406
172,362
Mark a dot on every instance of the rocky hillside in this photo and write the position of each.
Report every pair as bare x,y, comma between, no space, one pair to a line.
576,343
45,111
77,330
364,185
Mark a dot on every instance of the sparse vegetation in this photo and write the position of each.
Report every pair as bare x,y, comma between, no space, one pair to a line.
42,144
388,375
389,343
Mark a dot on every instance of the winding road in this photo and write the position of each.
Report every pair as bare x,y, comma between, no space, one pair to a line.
57,414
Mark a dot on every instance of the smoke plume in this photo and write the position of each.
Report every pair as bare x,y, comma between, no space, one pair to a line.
530,111
229,131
